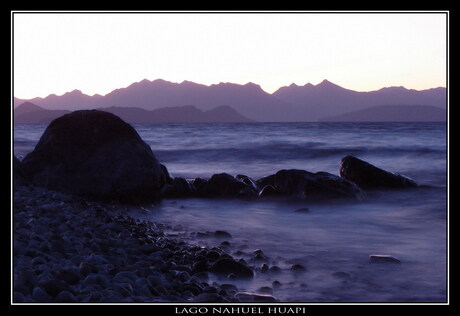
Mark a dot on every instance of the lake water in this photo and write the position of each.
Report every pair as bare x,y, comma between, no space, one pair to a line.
332,240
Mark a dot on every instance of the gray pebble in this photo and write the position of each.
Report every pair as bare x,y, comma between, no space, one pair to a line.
39,295
65,297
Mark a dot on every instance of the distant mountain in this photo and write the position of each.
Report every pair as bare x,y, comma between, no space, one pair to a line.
291,103
29,113
73,100
392,113
178,114
328,99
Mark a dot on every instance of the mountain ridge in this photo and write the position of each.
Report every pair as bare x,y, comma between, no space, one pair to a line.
289,103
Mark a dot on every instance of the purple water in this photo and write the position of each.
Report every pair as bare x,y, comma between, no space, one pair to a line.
331,237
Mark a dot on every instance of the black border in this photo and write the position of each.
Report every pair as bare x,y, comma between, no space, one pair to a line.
167,10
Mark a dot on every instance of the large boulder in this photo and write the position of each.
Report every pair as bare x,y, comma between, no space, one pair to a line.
368,176
19,178
95,154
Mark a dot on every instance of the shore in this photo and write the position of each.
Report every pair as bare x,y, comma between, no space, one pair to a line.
67,249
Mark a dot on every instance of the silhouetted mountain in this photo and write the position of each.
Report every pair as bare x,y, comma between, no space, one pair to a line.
249,99
31,113
290,103
392,113
178,114
328,99
73,100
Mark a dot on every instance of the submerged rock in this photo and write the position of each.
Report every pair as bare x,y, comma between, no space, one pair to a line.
368,176
383,259
96,155
228,266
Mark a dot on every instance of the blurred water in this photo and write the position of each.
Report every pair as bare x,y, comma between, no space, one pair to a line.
330,237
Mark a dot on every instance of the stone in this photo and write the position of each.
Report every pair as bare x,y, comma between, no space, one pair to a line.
383,259
177,188
298,268
268,190
248,181
19,178
302,210
254,297
222,234
96,155
65,297
70,276
227,266
208,298
341,275
39,295
315,186
223,185
368,176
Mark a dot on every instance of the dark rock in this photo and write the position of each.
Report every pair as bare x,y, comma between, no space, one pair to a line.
228,287
368,176
222,234
200,266
177,188
208,298
18,297
302,210
86,268
149,248
198,186
223,185
265,290
266,181
253,297
248,181
168,178
53,287
383,259
213,255
275,269
316,186
264,268
268,190
341,275
19,178
39,295
95,154
298,268
70,276
227,266
65,297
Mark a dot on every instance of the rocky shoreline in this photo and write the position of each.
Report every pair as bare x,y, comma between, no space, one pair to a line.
67,250
74,241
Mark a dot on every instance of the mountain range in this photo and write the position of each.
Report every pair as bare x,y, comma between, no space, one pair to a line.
249,102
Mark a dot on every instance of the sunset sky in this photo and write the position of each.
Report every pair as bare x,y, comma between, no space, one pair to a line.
100,52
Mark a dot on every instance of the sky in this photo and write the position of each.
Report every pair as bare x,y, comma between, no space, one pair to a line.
99,52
